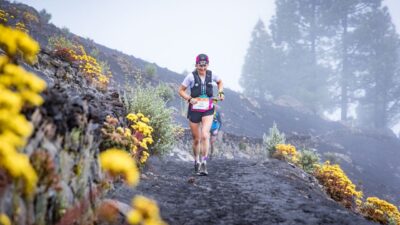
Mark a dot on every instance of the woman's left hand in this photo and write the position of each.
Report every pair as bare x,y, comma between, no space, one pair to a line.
221,95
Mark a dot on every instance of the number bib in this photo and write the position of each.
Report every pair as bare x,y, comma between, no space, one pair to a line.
202,105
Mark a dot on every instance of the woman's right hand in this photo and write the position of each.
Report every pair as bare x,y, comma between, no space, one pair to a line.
193,101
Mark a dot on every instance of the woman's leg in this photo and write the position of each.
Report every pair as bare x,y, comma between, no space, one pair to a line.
206,122
195,128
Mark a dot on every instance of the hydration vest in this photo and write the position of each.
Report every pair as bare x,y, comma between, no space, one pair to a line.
200,88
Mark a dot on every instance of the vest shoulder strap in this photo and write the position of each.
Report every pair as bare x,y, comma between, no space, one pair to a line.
208,76
196,77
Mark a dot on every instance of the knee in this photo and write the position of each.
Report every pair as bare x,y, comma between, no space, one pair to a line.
205,136
196,140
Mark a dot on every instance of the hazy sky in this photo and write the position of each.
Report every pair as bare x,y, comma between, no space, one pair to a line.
171,33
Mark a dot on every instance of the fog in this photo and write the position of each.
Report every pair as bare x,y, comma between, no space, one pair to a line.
169,33
172,33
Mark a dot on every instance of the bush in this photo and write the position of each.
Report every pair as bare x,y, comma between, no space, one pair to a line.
151,70
95,71
3,17
148,102
308,160
45,16
338,185
59,42
274,138
380,211
286,152
134,139
165,92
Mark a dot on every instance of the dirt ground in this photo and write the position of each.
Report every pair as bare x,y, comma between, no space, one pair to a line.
237,192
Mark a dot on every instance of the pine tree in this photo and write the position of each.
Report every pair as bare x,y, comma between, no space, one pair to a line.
296,32
344,16
378,45
254,68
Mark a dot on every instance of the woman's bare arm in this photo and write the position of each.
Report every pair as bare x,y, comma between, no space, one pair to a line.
183,94
220,89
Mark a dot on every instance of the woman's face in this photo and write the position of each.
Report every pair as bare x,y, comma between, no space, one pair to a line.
202,67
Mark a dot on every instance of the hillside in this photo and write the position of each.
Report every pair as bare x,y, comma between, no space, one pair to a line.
368,156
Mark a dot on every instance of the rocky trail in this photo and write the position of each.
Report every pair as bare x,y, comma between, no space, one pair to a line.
237,192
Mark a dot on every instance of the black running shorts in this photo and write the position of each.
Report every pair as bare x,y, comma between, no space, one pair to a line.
195,117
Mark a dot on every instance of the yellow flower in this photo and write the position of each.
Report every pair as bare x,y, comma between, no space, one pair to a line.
134,149
134,217
120,130
145,156
145,119
145,211
15,39
143,145
18,166
148,140
146,206
119,162
132,117
4,220
128,132
140,115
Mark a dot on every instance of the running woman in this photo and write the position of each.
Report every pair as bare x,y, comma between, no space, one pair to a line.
201,109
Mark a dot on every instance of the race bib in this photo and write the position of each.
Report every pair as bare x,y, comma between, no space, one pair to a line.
202,105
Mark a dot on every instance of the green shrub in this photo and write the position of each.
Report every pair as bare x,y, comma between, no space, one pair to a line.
165,92
274,137
151,70
148,101
55,42
45,16
65,30
308,160
242,146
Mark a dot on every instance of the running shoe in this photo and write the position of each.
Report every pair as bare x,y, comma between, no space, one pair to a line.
203,169
196,167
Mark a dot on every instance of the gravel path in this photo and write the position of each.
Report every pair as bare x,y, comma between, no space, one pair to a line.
237,192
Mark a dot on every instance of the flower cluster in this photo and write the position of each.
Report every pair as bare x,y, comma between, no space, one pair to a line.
29,17
140,123
118,162
142,133
15,42
18,88
380,211
88,65
21,26
338,185
145,212
286,152
3,16
135,139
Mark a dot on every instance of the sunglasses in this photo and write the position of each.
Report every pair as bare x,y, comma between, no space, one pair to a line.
203,65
